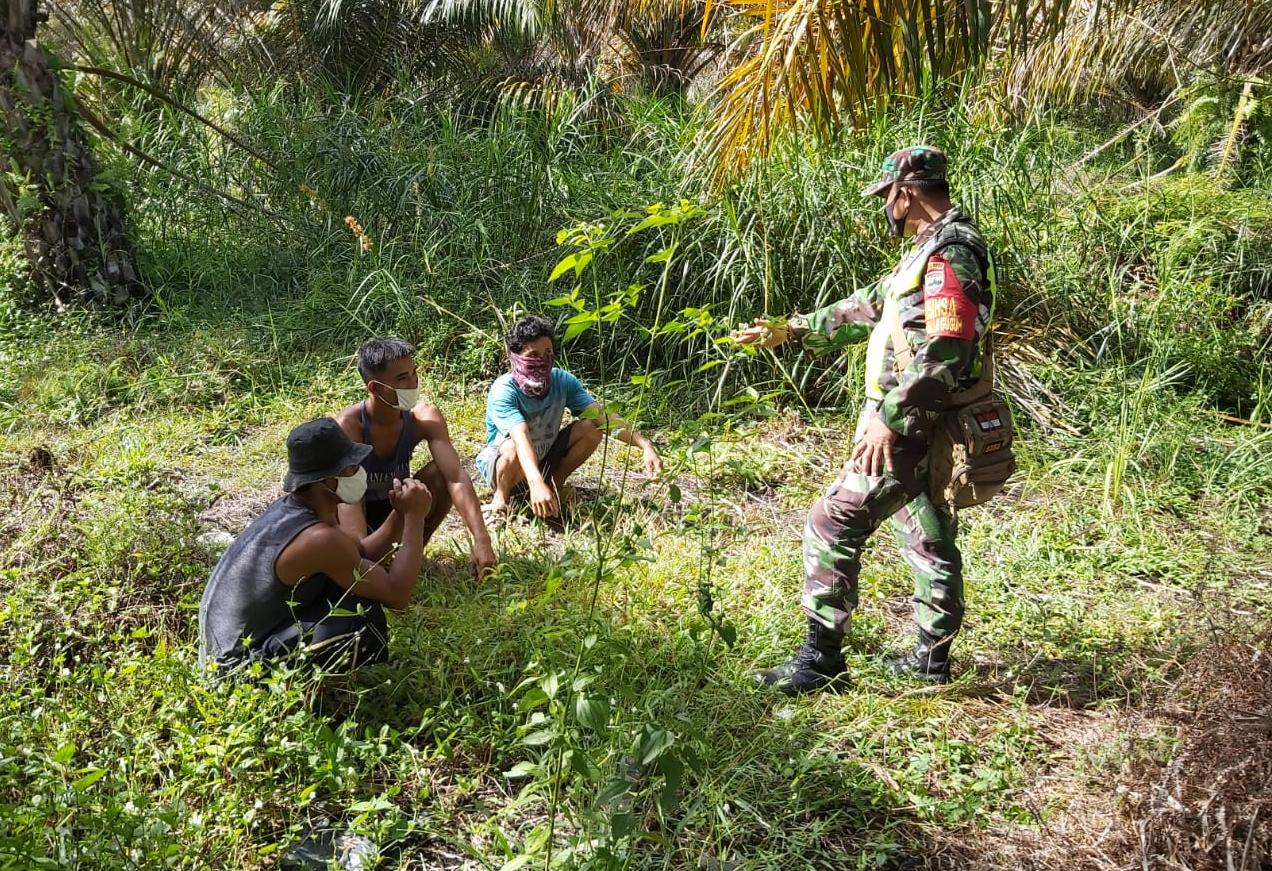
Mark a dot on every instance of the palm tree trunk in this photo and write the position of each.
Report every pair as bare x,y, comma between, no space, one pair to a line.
72,228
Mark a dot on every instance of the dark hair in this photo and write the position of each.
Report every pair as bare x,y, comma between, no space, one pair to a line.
929,186
375,354
528,329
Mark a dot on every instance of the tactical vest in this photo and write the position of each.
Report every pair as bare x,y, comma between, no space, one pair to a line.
905,279
970,457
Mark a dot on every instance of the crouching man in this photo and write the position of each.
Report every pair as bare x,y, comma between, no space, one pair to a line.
526,446
293,579
394,423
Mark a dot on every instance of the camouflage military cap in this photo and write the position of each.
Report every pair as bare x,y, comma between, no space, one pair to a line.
917,163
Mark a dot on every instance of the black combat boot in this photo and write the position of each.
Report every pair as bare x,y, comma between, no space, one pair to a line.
818,664
929,661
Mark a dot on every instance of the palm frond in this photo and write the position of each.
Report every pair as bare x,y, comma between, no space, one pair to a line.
170,44
822,63
523,16
663,46
1229,146
1143,50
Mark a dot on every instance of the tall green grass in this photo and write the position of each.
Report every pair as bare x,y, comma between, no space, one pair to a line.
462,215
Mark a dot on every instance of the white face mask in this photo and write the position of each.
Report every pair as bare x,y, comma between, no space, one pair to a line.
351,488
406,399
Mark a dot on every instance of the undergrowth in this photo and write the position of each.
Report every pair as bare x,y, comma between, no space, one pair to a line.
591,706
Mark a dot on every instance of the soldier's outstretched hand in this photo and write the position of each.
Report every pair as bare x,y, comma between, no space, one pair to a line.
762,332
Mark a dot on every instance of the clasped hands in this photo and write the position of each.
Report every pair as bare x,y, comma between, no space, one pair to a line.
411,496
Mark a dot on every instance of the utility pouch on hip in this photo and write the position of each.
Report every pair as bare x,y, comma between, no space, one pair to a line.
970,456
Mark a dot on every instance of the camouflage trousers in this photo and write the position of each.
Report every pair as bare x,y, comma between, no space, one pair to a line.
840,523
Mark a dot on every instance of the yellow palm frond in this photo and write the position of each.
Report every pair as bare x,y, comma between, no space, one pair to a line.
821,63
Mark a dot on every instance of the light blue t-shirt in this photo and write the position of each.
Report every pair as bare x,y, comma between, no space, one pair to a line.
507,406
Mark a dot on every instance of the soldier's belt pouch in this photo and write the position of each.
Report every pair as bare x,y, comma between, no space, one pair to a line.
971,454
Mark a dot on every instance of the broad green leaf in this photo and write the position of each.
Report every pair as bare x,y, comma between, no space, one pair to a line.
614,788
581,764
654,744
521,769
673,771
728,633
550,685
622,825
94,775
565,265
662,256
592,713
653,221
532,699
576,329
379,803
535,739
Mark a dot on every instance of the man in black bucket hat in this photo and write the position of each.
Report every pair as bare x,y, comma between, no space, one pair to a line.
294,580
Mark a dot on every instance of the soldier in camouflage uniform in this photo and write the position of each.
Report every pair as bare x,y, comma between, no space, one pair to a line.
942,292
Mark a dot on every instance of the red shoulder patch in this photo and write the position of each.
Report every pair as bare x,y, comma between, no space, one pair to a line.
948,313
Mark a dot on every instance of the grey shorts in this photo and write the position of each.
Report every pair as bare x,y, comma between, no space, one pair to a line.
488,459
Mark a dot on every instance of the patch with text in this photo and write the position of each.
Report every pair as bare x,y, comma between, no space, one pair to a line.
947,311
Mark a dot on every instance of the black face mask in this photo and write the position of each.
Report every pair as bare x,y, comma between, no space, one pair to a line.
896,226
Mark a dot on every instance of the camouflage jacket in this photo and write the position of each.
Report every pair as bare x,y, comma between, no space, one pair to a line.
943,291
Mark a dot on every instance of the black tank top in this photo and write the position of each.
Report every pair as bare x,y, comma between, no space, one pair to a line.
381,472
244,599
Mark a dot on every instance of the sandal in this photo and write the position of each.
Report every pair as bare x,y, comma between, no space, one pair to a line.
566,497
496,516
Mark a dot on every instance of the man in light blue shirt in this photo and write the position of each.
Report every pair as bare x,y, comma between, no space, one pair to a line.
526,446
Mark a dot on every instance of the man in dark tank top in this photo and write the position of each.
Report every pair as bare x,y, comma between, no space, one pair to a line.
294,579
393,422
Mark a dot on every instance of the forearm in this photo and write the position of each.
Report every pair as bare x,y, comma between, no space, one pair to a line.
629,436
842,323
405,571
466,503
613,425
377,544
528,459
353,523
459,486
